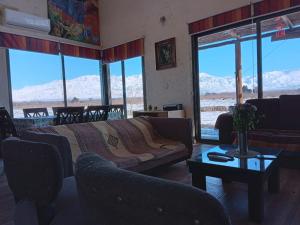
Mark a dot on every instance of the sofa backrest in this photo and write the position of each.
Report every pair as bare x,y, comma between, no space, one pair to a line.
290,112
268,112
109,195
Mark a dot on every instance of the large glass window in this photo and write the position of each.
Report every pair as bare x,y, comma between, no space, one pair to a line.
127,76
83,83
280,55
134,85
116,83
227,74
36,81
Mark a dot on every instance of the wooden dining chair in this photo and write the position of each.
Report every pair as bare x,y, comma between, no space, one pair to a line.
68,115
35,112
96,113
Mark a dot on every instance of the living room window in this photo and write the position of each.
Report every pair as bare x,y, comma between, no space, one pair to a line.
36,81
126,84
280,55
134,85
116,83
83,85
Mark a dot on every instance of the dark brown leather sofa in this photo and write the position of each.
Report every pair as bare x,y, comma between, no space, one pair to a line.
278,127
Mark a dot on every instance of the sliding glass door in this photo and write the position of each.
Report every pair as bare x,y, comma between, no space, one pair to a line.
227,74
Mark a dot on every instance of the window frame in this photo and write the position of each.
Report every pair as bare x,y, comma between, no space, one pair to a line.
195,63
63,76
107,75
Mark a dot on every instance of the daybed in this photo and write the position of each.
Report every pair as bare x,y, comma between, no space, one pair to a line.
138,144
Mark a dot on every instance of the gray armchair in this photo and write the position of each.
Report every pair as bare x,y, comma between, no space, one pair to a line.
112,196
35,175
101,194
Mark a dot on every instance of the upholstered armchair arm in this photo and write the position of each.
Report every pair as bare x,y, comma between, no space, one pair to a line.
60,142
224,124
176,129
109,195
26,213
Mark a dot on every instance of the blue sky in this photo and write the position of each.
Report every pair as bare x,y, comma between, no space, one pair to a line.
29,68
279,55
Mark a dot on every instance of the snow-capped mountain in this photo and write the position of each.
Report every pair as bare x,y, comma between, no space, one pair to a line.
276,80
88,86
83,88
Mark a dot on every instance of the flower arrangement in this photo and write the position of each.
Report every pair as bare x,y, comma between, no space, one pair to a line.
244,117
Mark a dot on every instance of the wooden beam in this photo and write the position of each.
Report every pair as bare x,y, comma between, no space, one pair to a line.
238,66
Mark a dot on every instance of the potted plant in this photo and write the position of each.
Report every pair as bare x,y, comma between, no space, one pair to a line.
244,119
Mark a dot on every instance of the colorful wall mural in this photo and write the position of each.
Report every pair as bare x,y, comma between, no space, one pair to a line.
77,20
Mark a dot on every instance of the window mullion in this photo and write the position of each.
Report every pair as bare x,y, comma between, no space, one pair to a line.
63,70
124,87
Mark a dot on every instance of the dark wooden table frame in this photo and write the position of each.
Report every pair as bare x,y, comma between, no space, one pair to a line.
254,179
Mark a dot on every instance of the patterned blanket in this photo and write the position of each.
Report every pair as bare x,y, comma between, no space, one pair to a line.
125,142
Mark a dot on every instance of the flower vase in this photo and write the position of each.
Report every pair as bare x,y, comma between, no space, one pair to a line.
243,143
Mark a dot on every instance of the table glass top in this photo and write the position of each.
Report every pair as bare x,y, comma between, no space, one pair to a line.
252,164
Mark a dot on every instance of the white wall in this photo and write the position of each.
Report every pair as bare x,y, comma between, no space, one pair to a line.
126,20
35,7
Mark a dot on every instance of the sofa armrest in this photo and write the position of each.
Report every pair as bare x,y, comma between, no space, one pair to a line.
224,124
177,129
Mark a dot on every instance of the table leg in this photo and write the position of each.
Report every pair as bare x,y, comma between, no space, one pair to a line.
274,181
256,200
199,181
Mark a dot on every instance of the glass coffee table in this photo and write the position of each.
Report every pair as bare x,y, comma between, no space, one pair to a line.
254,172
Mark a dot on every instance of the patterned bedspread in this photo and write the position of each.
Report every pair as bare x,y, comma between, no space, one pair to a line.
125,142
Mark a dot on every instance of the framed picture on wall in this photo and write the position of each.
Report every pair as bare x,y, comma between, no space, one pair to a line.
165,54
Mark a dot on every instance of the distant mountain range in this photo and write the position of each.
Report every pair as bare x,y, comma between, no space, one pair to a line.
84,88
272,81
88,86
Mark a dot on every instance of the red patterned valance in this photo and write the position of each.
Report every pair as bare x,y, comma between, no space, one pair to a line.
232,16
77,51
14,41
237,15
125,51
269,6
20,42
